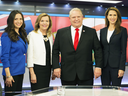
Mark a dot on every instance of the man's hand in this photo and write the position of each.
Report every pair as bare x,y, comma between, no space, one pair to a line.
57,72
53,76
120,73
97,72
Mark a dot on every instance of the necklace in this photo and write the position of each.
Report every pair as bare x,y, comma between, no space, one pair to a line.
45,39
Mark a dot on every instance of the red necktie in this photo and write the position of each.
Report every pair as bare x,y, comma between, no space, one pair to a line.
76,40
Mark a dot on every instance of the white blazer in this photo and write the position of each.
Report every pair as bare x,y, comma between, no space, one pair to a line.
36,53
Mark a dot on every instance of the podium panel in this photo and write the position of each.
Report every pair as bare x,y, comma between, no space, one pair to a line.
79,91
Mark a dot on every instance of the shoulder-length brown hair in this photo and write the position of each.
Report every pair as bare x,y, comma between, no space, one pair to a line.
118,22
38,21
10,29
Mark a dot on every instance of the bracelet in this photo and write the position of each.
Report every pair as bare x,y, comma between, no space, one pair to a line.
8,76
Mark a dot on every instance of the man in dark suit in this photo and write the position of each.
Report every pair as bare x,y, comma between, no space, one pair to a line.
75,43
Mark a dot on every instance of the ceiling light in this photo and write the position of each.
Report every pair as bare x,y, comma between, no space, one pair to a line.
52,3
122,4
37,10
9,9
67,4
98,1
17,1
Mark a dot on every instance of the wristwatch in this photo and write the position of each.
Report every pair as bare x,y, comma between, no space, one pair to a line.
8,76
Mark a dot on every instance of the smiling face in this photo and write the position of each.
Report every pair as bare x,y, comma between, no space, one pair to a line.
44,23
76,18
112,17
18,21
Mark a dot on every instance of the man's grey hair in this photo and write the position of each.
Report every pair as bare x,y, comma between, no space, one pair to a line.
75,9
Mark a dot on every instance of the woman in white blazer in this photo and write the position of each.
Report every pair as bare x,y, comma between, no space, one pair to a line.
39,52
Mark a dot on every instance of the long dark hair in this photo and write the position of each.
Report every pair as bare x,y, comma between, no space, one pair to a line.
10,29
118,22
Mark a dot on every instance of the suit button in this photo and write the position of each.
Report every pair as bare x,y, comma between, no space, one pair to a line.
24,54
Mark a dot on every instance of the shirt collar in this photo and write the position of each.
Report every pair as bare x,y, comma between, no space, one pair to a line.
80,28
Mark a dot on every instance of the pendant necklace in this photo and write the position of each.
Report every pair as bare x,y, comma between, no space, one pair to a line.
45,39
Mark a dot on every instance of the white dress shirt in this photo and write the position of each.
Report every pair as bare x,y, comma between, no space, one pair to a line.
73,31
109,34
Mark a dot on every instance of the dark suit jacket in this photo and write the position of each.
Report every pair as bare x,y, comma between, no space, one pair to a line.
114,52
80,61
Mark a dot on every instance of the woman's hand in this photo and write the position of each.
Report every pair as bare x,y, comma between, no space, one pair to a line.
120,73
9,81
33,78
33,75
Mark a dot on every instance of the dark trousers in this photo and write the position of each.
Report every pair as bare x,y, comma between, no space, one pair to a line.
110,76
16,86
0,90
77,81
43,74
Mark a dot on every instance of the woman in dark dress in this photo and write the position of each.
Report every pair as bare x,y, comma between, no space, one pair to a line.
39,52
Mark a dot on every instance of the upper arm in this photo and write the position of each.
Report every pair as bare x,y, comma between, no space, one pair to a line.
96,41
56,41
97,51
6,48
30,51
124,39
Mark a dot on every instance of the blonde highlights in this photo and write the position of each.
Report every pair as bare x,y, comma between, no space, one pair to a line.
38,21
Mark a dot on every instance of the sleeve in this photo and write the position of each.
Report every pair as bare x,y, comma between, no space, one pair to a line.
123,49
101,38
51,38
6,48
97,51
30,51
55,52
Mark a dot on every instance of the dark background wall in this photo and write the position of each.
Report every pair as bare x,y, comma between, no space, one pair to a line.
28,7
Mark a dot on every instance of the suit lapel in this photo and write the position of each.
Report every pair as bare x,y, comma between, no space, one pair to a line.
50,40
105,34
82,36
20,39
69,36
113,34
25,45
